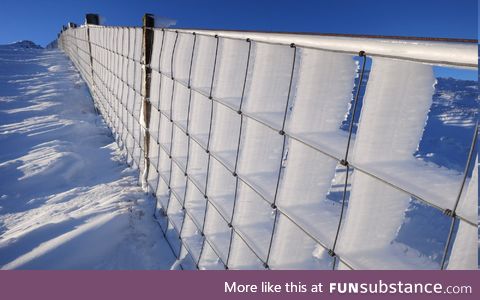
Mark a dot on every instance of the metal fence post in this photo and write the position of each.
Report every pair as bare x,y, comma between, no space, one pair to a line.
147,47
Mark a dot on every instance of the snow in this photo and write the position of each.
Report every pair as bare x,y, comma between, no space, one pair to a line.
204,62
465,248
308,254
325,82
241,257
228,85
268,84
24,44
67,198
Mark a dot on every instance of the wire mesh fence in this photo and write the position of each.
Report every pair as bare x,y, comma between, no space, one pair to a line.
278,156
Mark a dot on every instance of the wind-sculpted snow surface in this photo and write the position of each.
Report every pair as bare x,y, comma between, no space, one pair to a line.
251,157
67,198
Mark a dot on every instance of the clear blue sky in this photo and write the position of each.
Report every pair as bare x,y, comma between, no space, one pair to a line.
41,20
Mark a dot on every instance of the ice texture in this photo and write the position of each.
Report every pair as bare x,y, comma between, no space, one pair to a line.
393,115
464,253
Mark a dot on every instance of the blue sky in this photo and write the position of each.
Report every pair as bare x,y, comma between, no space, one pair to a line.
41,20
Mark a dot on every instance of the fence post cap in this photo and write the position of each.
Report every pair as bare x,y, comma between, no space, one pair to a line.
148,20
92,19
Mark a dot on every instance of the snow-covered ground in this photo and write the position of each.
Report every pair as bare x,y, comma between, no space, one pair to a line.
67,198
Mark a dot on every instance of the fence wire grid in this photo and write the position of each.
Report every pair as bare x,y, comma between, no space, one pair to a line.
253,151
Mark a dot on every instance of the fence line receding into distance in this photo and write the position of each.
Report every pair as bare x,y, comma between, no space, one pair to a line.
279,151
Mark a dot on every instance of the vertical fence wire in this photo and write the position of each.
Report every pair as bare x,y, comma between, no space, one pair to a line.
188,139
282,157
237,154
187,131
159,119
452,213
171,125
345,162
208,146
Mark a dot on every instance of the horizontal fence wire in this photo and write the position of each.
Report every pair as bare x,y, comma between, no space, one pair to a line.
118,98
435,62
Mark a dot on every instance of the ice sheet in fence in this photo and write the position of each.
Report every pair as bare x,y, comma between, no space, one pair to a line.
203,63
217,232
125,42
182,57
396,104
165,97
292,249
180,147
178,183
221,188
256,231
305,186
164,138
132,43
181,101
209,259
395,107
225,134
153,176
155,90
195,204
138,44
137,56
464,254
260,157
468,205
200,118
323,92
192,238
268,82
198,165
231,71
167,51
321,100
175,212
242,257
123,100
156,49
154,126
390,230
162,194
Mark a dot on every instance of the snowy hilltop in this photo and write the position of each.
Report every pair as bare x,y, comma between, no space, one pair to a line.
22,45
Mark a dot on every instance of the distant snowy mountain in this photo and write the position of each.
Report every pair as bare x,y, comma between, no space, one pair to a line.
22,45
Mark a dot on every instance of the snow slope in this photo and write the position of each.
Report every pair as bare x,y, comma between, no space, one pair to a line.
67,198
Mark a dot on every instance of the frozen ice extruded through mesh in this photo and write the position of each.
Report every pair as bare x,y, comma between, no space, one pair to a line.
275,151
